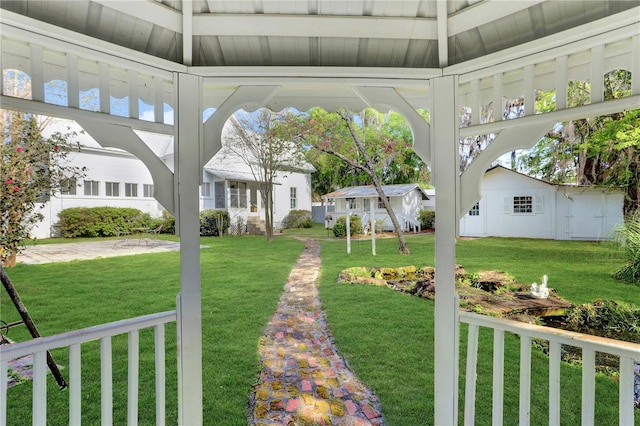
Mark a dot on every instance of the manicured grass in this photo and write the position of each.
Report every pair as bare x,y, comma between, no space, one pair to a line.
387,337
242,280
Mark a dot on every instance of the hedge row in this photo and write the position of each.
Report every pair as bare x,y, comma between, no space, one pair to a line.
103,221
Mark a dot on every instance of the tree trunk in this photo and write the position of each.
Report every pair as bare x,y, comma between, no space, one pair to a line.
402,248
10,261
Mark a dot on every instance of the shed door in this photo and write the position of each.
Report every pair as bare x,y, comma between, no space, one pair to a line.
585,219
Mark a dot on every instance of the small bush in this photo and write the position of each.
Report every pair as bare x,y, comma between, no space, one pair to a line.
628,238
604,315
101,221
427,219
214,222
168,223
298,219
340,227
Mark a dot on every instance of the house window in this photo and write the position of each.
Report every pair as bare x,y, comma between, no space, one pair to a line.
68,187
351,203
366,204
294,201
112,189
380,203
130,189
523,204
147,190
205,190
220,198
238,194
91,188
475,210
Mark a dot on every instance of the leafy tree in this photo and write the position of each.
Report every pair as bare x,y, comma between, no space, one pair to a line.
256,141
367,145
33,169
603,151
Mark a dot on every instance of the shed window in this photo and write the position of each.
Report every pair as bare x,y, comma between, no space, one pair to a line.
351,203
475,210
523,204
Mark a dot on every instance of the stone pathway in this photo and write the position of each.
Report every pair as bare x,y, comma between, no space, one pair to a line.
303,379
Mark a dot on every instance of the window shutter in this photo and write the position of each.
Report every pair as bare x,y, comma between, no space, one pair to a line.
538,206
508,205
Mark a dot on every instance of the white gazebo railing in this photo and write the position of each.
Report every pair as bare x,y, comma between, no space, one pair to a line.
73,340
628,353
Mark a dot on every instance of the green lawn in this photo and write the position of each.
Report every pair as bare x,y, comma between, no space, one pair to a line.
386,336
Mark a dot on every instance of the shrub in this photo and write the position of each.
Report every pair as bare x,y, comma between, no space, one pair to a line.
101,221
168,223
214,222
628,237
298,219
340,227
427,219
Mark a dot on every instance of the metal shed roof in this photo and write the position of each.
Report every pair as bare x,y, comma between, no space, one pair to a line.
370,191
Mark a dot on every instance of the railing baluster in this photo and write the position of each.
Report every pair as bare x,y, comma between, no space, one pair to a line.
39,414
106,381
160,374
470,383
626,391
134,366
525,379
498,377
588,385
4,377
75,384
555,350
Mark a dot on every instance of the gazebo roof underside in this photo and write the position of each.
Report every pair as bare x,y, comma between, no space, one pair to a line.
354,33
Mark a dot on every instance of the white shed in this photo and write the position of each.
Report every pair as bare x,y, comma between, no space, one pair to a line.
406,201
517,205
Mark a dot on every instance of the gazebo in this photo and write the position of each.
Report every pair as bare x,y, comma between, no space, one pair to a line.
182,58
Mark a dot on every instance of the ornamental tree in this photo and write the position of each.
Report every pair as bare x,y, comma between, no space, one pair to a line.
33,168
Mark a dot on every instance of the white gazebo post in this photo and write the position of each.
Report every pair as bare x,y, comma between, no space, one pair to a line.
445,175
373,227
348,226
188,173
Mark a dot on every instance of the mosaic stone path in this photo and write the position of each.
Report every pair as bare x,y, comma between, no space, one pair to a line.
303,379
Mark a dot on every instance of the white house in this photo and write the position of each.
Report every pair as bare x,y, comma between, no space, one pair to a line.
117,178
231,182
405,199
517,205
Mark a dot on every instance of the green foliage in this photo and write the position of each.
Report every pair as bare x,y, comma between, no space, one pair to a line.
340,227
628,238
214,223
427,219
33,168
602,151
604,315
298,219
168,223
102,221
